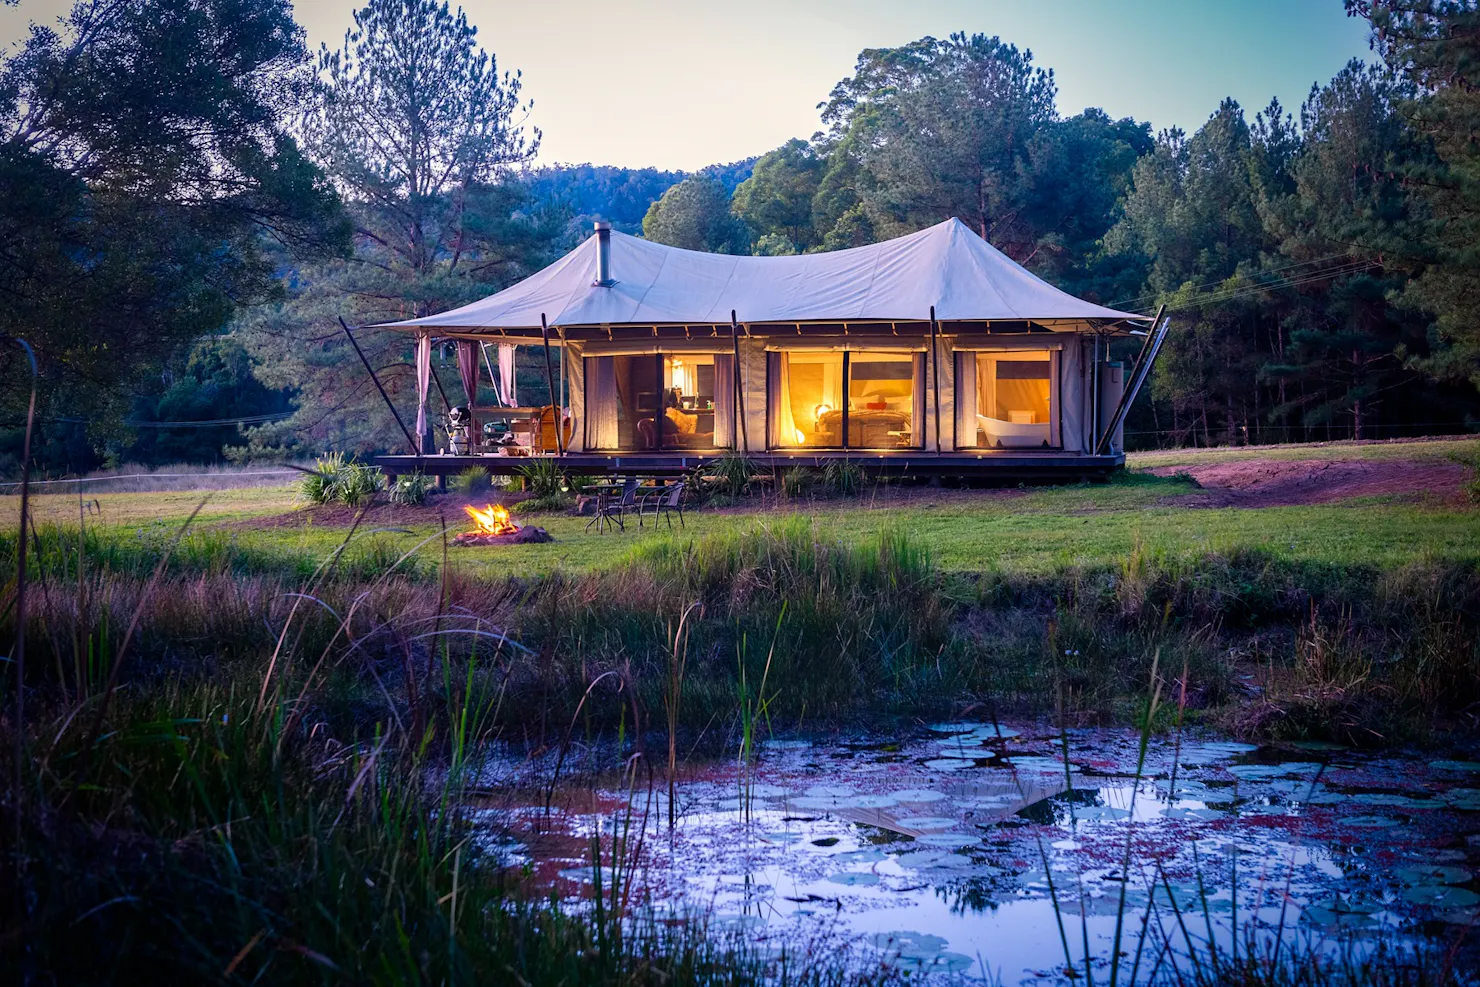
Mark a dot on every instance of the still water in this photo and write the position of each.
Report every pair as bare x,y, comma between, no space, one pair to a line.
972,850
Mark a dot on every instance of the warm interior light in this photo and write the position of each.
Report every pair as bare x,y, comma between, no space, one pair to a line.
801,437
493,519
821,410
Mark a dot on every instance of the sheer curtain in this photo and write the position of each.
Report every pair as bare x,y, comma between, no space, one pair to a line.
724,400
965,400
783,422
601,402
423,381
507,394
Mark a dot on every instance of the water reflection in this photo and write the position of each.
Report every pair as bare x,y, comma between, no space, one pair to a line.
967,849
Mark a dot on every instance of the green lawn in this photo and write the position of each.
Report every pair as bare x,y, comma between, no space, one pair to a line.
1029,531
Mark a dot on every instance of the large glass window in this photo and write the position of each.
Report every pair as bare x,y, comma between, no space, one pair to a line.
845,400
1012,393
659,401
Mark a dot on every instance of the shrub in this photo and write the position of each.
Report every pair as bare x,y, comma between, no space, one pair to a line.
357,483
732,473
548,504
317,487
339,480
543,478
843,477
474,479
411,489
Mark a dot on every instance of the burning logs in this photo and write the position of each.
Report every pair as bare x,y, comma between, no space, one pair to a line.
493,526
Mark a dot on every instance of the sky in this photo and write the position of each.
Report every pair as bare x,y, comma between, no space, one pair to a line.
679,85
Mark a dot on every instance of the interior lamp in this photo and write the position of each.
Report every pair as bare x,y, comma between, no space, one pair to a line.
821,410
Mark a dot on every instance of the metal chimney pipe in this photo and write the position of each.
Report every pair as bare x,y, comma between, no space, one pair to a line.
604,255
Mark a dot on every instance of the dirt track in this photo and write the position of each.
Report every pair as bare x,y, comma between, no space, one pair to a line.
1287,482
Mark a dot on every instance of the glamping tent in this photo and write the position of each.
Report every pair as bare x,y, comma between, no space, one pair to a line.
931,353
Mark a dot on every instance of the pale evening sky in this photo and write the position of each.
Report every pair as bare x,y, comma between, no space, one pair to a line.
684,84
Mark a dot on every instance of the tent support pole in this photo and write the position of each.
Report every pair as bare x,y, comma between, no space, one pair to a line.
438,381
415,449
737,413
1149,349
935,376
550,378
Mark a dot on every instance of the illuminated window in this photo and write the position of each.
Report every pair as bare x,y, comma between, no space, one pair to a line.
1012,392
847,400
659,401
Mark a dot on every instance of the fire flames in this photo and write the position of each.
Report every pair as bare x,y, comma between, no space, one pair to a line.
493,519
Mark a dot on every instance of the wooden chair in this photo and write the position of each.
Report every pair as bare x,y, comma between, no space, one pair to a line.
542,438
663,503
613,510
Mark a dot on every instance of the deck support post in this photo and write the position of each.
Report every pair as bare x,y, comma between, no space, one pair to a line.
554,397
415,448
935,375
737,412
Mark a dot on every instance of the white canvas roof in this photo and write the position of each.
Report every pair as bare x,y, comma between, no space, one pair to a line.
947,265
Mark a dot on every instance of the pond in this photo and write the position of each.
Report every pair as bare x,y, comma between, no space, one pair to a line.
1003,853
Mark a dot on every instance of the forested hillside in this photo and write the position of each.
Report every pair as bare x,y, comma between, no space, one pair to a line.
182,235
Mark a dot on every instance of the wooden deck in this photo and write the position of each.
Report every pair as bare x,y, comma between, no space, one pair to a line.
991,466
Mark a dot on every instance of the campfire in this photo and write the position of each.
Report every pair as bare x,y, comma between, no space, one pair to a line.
493,526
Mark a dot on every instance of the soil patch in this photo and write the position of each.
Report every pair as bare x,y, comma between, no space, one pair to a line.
1293,482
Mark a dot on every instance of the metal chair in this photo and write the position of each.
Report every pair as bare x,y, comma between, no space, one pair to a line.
611,511
663,504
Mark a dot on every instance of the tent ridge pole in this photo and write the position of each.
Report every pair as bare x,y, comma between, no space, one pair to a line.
415,449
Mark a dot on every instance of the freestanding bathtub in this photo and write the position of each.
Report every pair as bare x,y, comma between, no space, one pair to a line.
1010,435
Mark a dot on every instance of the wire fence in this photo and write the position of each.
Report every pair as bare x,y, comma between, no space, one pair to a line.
144,482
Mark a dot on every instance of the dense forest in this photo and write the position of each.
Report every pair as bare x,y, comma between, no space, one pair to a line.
194,199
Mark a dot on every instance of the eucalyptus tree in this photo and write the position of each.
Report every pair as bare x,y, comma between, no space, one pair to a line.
420,132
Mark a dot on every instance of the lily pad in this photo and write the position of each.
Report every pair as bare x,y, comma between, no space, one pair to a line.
920,858
1435,874
994,733
949,764
582,875
1442,896
831,791
1368,822
959,726
853,878
786,745
908,939
867,802
763,791
1456,766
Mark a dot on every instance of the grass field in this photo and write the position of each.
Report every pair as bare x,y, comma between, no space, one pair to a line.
1035,530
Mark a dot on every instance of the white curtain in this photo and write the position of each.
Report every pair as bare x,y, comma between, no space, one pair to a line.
724,400
507,393
601,402
423,380
966,400
783,422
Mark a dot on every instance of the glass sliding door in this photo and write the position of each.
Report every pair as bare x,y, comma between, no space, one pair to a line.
1007,399
649,402
862,399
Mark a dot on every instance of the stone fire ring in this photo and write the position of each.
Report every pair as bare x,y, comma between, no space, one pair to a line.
528,535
